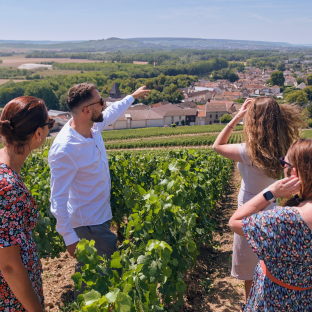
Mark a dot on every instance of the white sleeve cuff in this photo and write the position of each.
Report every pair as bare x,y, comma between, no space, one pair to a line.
131,98
71,238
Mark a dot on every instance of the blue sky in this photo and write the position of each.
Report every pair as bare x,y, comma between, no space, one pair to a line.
278,21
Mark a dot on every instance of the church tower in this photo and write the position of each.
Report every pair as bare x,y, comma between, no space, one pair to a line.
114,92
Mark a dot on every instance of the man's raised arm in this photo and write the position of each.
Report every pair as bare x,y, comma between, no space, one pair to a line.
113,112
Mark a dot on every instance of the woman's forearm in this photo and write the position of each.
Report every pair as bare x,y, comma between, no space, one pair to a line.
224,135
256,204
281,188
16,275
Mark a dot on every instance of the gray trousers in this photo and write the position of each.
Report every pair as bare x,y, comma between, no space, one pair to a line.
105,243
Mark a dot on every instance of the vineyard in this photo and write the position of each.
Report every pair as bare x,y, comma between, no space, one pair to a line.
205,140
163,206
156,132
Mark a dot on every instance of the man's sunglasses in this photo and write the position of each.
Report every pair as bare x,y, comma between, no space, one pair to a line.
284,163
50,123
101,102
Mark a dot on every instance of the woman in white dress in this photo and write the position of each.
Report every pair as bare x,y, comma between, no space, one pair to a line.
269,130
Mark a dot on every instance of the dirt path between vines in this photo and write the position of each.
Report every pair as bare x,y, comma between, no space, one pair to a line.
210,286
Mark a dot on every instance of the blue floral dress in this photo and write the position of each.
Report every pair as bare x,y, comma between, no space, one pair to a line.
283,240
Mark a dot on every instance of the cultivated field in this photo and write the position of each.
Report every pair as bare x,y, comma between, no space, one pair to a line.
3,81
17,60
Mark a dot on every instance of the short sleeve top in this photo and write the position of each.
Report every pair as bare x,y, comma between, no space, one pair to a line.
283,240
18,217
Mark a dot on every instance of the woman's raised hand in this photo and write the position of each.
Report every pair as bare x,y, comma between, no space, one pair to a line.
241,113
285,187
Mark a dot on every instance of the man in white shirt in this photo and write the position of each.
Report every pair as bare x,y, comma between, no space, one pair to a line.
80,178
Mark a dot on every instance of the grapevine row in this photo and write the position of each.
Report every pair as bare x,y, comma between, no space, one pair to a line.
163,204
156,131
205,140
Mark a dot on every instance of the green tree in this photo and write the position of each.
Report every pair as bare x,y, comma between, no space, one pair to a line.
309,80
9,93
240,101
277,78
261,64
43,90
299,80
309,110
62,103
288,90
281,67
308,91
298,97
225,118
154,97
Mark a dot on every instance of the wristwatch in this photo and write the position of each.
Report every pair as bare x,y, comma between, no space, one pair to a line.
268,195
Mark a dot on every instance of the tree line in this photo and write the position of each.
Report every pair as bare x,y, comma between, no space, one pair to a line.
54,90
148,71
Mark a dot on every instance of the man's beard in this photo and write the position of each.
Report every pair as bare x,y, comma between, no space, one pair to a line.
99,118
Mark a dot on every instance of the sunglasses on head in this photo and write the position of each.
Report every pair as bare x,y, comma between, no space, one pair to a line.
284,163
50,123
101,102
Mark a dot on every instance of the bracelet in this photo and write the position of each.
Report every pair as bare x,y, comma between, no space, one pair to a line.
230,126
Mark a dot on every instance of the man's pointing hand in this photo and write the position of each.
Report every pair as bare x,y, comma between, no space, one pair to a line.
141,92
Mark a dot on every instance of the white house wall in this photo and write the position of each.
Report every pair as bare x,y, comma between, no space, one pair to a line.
155,123
120,125
167,120
138,124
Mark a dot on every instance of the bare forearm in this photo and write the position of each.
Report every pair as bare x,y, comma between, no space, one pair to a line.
281,188
224,135
256,204
18,280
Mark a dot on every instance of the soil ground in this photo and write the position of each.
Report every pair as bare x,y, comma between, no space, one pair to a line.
210,286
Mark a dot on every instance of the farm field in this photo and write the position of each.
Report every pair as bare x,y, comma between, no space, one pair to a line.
17,60
3,81
141,185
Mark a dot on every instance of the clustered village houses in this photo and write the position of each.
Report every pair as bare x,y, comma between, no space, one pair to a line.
204,102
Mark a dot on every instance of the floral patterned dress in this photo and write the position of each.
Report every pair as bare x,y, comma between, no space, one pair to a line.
283,240
18,216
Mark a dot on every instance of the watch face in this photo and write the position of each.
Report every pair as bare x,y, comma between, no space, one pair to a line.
268,195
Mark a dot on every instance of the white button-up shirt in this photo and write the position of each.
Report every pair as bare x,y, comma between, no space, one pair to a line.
80,179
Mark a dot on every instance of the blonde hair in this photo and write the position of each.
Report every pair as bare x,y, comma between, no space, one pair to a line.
269,130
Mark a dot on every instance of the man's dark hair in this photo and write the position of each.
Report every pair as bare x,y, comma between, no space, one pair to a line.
78,94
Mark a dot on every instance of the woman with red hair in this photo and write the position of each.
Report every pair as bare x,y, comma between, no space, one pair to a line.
24,125
281,238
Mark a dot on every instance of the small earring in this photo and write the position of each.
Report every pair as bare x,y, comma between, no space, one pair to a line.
39,140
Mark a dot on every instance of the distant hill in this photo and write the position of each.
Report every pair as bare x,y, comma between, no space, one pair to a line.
111,44
208,42
132,44
35,41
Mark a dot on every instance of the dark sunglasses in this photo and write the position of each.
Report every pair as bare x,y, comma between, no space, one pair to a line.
284,163
50,123
101,102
